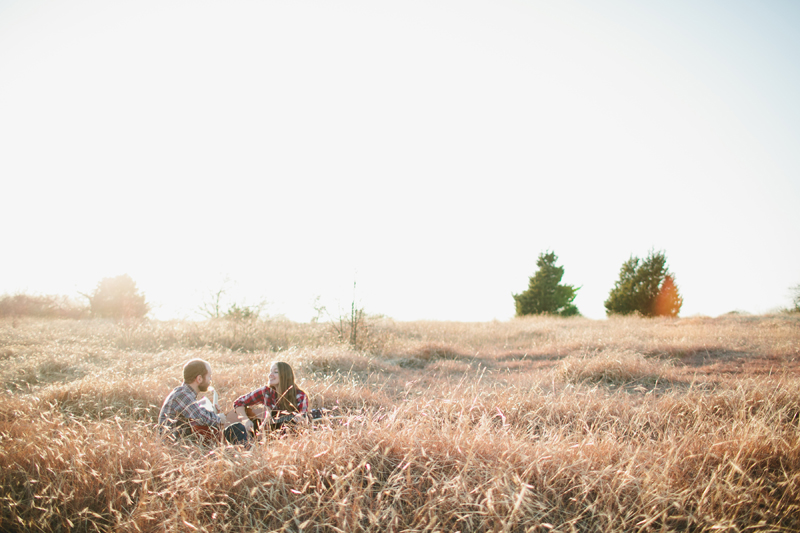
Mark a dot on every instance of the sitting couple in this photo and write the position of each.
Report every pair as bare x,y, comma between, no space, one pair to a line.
182,414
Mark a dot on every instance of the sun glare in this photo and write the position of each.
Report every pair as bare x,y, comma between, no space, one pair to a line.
419,144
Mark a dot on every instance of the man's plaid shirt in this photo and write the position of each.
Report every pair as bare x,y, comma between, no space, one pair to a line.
267,396
181,409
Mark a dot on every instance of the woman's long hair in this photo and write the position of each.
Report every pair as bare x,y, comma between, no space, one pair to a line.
286,389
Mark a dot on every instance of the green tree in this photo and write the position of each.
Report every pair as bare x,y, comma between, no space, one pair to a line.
796,299
117,298
645,287
545,294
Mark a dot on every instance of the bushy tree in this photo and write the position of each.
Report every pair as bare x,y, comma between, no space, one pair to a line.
545,294
668,301
645,287
118,298
796,299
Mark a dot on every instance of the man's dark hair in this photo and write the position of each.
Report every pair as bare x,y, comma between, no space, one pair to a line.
194,368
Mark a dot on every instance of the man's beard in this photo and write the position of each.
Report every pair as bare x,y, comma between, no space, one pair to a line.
203,387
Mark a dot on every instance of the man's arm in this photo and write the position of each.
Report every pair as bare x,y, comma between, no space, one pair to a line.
189,408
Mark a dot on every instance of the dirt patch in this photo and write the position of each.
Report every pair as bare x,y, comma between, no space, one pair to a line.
736,363
526,356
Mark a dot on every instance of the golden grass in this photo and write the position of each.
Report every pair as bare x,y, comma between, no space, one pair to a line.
541,424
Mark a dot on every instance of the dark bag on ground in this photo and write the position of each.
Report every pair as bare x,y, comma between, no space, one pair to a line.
288,419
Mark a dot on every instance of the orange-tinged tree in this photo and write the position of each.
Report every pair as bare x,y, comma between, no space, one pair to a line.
668,301
643,288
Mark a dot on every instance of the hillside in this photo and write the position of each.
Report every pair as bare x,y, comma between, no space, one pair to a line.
536,424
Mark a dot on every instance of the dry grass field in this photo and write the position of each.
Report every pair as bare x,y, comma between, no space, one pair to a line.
538,424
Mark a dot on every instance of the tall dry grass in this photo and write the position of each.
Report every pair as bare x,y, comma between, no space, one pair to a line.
540,424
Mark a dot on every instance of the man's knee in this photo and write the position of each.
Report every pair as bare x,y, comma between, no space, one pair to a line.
236,433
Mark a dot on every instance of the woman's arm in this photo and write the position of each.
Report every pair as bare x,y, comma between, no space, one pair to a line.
302,408
302,402
241,404
255,397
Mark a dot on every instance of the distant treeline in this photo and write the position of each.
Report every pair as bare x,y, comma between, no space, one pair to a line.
645,287
45,306
115,297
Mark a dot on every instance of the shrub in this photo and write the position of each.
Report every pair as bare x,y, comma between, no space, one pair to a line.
243,312
118,298
43,306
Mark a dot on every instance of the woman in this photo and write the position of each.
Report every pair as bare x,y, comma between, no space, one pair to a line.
283,400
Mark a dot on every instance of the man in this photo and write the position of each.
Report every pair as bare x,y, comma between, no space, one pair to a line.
181,409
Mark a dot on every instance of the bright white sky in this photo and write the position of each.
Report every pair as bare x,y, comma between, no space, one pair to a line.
430,150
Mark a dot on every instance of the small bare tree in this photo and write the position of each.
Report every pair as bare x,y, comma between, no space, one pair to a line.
351,329
319,309
212,306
